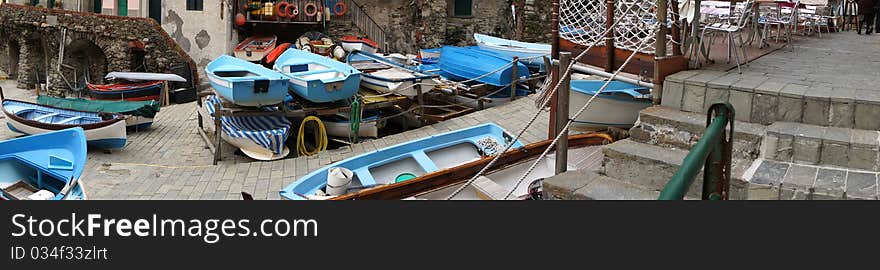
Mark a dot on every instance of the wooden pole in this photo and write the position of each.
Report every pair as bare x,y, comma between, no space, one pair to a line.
609,36
659,50
520,11
562,114
676,30
218,113
554,53
514,78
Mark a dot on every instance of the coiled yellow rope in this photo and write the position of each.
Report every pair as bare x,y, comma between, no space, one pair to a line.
321,144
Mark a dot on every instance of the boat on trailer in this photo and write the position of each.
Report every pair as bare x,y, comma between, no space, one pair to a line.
472,63
139,91
584,153
401,162
254,48
617,106
531,53
259,137
244,83
47,166
316,78
354,43
386,76
139,115
102,130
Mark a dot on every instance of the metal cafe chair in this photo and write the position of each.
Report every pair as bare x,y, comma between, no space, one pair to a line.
730,29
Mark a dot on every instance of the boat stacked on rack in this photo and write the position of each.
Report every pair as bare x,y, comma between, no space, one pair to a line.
102,130
244,83
354,43
43,167
532,54
260,137
255,48
618,105
475,64
387,76
401,162
316,78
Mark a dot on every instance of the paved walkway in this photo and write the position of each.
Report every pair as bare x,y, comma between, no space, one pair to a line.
170,161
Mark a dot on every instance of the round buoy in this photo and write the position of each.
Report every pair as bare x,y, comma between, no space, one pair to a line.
339,8
281,9
240,19
403,177
307,48
311,9
338,52
292,10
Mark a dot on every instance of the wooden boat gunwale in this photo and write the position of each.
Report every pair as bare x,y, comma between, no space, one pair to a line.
104,123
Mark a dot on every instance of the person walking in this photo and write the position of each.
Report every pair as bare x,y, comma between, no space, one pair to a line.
877,15
866,16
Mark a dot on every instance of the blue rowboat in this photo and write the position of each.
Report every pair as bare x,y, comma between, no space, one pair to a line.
387,76
457,63
401,162
317,78
259,137
138,114
617,106
531,53
103,130
43,167
245,83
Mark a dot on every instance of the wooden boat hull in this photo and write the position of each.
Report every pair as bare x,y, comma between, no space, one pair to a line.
530,53
447,179
259,137
54,158
254,49
471,63
244,83
129,92
316,78
610,108
107,133
417,157
138,115
138,122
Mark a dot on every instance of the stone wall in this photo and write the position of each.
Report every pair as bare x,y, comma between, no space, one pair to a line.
203,34
38,33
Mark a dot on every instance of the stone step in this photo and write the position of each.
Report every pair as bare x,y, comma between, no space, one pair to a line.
826,146
589,185
668,127
650,167
758,98
775,180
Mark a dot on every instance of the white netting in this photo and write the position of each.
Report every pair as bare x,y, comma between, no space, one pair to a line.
584,21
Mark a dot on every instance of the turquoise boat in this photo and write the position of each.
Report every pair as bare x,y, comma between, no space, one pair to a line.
473,63
401,162
531,53
43,167
244,83
317,78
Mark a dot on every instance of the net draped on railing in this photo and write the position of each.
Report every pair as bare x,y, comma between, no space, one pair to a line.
583,22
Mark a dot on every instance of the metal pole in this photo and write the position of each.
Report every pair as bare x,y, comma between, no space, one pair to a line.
562,114
554,53
659,50
514,78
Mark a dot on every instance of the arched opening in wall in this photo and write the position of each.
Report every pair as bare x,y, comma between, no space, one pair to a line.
84,63
35,56
9,61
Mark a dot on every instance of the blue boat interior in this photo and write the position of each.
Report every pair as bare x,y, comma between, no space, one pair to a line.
307,70
43,162
49,115
416,158
615,88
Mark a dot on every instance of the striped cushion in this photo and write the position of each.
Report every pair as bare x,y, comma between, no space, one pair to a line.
270,132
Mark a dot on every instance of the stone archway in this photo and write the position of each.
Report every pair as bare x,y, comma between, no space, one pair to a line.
32,61
9,61
84,62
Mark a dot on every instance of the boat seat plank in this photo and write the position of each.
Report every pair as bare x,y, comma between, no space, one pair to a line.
365,177
68,120
19,190
46,116
312,72
487,189
424,161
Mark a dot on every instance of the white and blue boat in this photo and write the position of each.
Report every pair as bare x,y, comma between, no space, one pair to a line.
259,137
617,106
473,63
386,76
531,53
244,83
317,78
401,162
43,167
103,130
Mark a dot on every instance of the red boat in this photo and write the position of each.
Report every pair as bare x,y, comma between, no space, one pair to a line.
255,48
353,43
142,91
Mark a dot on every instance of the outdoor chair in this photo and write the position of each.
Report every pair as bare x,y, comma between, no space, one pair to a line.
784,18
729,29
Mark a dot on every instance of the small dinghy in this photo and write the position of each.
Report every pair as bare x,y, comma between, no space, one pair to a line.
353,43
617,106
316,78
530,53
103,130
244,83
43,167
254,48
584,153
139,91
259,137
139,115
387,76
339,125
401,162
472,63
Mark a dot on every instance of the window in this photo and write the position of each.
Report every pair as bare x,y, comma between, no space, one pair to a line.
194,5
462,8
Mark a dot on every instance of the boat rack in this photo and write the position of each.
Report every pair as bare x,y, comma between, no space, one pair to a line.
306,109
479,92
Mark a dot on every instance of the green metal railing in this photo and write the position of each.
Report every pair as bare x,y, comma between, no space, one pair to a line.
711,154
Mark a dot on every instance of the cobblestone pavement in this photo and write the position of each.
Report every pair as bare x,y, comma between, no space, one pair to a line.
171,161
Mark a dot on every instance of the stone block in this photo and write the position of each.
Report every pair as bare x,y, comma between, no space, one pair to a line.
800,177
715,95
562,186
829,183
764,108
817,105
864,158
769,173
835,154
842,114
742,104
672,94
806,150
861,185
867,116
694,97
679,77
790,109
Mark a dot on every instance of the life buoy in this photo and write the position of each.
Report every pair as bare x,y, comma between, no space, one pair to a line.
281,9
313,8
339,8
292,10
